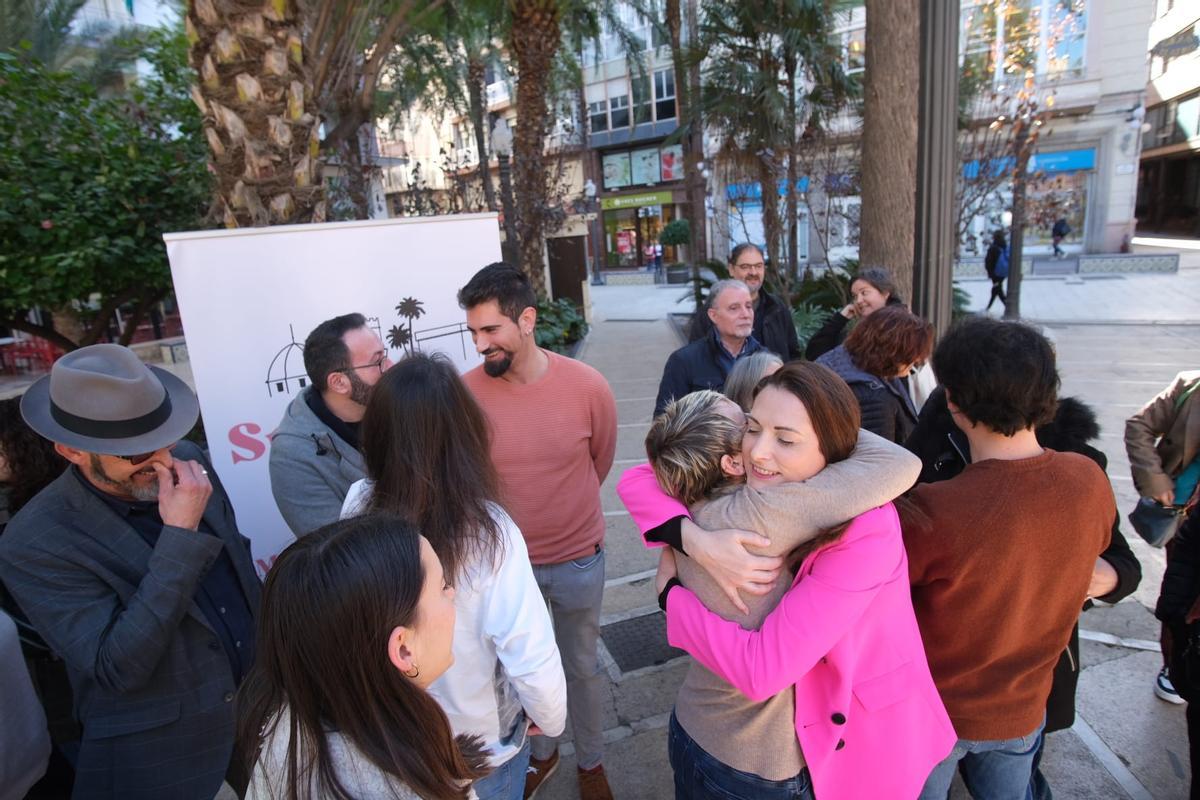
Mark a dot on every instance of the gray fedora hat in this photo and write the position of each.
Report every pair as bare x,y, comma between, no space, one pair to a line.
103,399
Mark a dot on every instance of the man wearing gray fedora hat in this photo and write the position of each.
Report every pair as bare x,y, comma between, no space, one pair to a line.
131,567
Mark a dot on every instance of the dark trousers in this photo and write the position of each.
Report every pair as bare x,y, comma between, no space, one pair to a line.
1193,730
998,292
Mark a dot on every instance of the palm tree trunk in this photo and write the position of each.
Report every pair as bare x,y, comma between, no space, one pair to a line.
790,66
255,95
534,39
475,92
889,158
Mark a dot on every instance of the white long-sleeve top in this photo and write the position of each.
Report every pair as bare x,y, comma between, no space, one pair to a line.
506,668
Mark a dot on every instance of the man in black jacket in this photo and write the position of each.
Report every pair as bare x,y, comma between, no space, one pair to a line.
706,362
944,452
773,325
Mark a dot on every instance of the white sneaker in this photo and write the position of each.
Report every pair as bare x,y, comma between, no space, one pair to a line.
1165,689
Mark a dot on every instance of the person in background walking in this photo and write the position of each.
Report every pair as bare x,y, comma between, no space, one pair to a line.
1163,444
1059,232
870,290
996,264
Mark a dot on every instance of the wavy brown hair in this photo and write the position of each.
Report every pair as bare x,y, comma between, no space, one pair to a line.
885,342
329,604
425,444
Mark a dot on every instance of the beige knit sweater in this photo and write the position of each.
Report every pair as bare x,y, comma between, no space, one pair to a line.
760,738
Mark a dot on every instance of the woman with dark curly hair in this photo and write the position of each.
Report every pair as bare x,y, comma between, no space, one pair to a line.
878,353
27,461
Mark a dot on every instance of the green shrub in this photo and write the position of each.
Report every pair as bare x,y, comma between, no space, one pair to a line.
559,325
675,232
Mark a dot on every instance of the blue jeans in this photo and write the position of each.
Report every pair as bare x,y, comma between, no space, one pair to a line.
992,770
507,781
575,592
699,776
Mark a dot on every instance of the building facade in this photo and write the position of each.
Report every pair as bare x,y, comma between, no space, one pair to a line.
1168,200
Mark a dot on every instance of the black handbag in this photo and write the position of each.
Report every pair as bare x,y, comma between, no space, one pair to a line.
1155,522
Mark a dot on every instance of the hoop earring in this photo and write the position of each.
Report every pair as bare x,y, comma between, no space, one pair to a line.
416,671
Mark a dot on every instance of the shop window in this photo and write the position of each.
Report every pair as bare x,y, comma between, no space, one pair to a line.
618,108
598,116
641,99
664,93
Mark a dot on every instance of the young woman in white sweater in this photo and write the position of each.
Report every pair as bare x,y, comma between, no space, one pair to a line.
425,444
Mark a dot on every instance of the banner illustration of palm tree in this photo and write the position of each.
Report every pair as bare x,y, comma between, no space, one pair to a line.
401,336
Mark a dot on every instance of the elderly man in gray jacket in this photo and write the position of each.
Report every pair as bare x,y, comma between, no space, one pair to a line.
314,451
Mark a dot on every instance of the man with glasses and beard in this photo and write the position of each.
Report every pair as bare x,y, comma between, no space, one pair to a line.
314,451
131,568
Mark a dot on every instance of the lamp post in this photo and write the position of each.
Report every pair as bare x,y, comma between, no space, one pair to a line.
595,231
502,141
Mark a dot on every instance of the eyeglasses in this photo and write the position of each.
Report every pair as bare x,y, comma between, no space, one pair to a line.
756,265
378,364
142,458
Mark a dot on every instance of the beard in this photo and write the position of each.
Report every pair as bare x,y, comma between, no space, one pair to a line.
498,367
360,392
127,487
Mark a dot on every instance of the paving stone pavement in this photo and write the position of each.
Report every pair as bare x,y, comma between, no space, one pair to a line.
1114,356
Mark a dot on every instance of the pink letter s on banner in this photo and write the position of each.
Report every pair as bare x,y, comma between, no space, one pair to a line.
241,435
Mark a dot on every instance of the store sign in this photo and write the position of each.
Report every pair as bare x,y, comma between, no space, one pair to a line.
752,192
249,297
635,200
1056,161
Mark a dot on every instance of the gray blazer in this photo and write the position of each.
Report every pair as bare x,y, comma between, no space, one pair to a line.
153,687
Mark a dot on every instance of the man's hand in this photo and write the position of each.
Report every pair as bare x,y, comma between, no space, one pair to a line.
181,505
1166,498
724,556
666,569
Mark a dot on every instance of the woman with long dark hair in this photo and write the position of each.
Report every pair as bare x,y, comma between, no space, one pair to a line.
425,445
356,623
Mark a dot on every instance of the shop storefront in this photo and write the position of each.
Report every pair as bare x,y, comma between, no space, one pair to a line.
1059,187
633,221
632,224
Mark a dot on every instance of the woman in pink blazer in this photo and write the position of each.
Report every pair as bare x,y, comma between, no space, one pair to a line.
868,717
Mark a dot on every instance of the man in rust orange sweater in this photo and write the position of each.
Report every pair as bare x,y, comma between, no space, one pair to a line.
1001,557
554,432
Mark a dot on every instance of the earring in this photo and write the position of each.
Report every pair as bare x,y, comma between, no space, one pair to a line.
416,671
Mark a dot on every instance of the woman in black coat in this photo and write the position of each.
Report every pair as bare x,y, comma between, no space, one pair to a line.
1179,609
877,356
870,290
990,262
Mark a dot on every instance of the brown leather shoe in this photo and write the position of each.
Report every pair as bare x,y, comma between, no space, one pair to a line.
539,770
593,785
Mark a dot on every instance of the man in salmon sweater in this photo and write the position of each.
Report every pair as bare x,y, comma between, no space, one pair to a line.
554,432
1001,557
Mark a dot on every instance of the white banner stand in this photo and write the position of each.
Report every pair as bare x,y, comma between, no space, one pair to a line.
249,297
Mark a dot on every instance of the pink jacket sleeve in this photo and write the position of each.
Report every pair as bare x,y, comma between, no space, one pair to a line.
645,500
825,601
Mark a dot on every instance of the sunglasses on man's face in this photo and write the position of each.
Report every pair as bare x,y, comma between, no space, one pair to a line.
142,458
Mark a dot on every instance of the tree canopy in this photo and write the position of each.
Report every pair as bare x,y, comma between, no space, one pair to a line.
88,185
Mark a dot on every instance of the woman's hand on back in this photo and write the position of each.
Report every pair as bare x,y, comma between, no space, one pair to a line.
724,556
